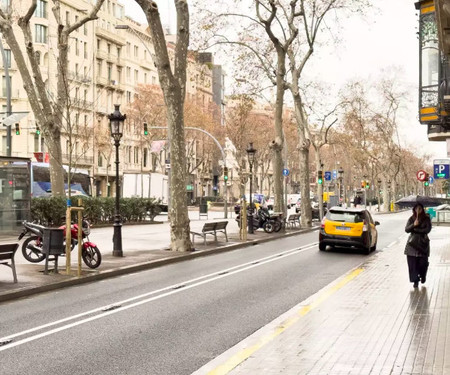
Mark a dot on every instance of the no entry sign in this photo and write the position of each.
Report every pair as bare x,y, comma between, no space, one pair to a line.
421,175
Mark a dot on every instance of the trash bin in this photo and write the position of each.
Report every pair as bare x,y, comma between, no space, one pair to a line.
53,242
203,207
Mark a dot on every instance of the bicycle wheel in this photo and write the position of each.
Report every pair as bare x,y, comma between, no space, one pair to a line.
91,256
32,249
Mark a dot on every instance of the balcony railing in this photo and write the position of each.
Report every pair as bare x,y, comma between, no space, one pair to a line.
78,160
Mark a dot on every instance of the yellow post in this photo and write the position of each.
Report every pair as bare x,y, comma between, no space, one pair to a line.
68,239
243,231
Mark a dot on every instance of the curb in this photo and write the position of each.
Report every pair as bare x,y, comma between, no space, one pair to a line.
26,292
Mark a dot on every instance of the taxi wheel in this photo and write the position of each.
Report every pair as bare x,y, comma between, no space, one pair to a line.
374,247
366,250
322,247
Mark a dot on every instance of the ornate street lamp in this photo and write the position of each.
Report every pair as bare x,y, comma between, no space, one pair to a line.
251,158
116,121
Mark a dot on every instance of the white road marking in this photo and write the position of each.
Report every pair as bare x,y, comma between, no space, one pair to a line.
170,291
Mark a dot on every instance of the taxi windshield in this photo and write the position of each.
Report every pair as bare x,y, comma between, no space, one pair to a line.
347,217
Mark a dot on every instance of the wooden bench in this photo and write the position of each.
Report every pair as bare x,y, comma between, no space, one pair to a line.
213,229
293,220
7,252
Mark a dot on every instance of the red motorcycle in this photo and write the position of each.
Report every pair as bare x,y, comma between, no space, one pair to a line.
32,246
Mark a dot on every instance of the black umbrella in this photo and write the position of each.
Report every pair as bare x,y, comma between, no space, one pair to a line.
412,200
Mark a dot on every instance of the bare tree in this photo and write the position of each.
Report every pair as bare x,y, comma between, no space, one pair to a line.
48,113
173,84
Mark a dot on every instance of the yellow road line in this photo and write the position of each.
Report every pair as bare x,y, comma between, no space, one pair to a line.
244,354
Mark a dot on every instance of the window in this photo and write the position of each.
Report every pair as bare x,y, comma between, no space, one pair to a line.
128,48
36,142
119,75
85,50
128,73
4,94
136,155
41,9
85,29
99,43
109,72
145,78
128,97
38,57
100,159
118,53
40,32
76,20
77,49
136,76
99,68
154,80
109,48
85,95
67,18
8,57
145,157
136,51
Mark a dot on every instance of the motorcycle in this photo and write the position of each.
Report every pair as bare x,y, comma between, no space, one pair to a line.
262,219
32,246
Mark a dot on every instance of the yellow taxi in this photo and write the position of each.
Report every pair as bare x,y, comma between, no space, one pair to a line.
348,227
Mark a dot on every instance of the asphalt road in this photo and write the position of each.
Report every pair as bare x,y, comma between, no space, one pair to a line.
173,319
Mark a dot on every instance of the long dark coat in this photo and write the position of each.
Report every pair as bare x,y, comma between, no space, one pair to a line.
423,228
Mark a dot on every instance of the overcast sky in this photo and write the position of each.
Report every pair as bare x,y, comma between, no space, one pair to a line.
386,38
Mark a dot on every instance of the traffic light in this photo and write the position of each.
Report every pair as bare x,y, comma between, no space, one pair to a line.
145,128
38,131
363,184
427,180
17,129
320,178
225,174
367,185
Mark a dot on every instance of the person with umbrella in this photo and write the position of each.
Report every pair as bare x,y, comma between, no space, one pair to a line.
417,248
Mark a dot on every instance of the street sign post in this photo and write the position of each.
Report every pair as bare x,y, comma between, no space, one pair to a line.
334,174
431,180
285,172
441,168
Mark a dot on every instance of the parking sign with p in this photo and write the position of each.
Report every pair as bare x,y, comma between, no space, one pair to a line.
441,168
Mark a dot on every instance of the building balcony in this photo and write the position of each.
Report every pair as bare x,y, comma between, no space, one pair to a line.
79,77
110,35
80,103
82,160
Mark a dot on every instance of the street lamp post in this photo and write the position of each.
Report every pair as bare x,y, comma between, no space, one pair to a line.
251,158
379,187
341,178
116,121
389,196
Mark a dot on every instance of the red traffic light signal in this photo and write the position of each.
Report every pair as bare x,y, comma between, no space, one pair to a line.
363,184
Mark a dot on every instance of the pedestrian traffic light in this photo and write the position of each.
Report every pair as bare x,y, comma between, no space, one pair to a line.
38,131
225,174
17,129
320,178
145,128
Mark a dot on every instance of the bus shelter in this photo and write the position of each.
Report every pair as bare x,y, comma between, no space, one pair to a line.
15,194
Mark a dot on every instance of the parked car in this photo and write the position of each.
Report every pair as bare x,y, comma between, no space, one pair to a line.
314,209
348,227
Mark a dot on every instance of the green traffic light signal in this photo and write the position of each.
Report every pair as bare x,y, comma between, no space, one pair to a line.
225,174
426,183
145,128
17,129
320,181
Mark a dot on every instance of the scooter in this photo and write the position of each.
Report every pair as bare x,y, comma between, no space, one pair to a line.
262,219
32,246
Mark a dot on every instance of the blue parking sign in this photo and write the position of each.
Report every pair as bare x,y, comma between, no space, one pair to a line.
327,176
441,168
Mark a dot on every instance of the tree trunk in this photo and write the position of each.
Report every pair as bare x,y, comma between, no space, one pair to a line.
56,169
304,145
178,211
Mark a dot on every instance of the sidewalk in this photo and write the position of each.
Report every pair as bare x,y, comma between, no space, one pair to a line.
144,247
370,321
